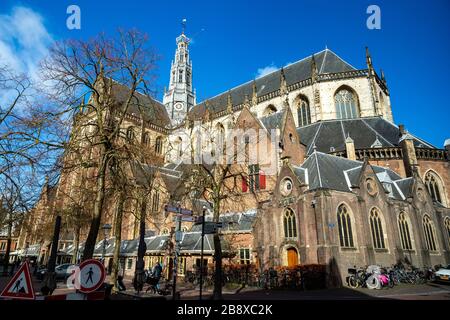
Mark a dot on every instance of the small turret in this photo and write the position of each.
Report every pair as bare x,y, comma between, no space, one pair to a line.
229,103
350,148
314,70
406,141
254,94
283,83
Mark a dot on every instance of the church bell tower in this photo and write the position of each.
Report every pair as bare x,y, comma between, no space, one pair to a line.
179,98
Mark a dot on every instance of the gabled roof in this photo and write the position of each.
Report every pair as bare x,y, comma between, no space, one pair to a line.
326,61
272,121
234,221
154,111
143,173
329,135
325,171
328,172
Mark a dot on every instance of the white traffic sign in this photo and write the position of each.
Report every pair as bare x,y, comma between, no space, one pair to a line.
20,286
91,275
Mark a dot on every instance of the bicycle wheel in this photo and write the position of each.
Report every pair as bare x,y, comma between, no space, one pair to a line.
352,282
373,282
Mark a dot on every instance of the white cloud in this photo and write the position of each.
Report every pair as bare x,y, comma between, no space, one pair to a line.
266,70
24,40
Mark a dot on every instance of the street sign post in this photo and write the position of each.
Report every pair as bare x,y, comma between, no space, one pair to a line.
211,227
91,275
185,215
20,286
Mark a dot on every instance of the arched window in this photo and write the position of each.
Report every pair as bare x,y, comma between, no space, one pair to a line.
165,231
147,139
130,134
447,227
155,202
158,145
377,229
430,234
434,186
290,227
270,109
303,111
405,235
345,227
346,104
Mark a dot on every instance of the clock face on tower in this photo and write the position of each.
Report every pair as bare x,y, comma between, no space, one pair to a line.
178,106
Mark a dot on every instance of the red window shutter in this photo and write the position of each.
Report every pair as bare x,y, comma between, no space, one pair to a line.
244,184
262,180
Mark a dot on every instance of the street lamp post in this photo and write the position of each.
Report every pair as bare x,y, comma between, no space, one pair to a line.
106,229
201,252
177,249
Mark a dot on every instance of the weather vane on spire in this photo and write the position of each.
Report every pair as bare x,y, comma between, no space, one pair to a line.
183,25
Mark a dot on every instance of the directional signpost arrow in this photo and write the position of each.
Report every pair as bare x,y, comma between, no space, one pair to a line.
185,218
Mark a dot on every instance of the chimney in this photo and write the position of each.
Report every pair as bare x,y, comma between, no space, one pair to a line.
406,142
350,148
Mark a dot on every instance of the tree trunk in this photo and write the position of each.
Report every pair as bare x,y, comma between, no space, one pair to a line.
139,274
117,240
98,208
8,249
76,244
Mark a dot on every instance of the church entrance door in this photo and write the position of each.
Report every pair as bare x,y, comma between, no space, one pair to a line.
292,257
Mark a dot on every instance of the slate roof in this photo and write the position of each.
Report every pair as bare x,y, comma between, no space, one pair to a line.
154,111
329,134
172,178
325,171
326,61
233,221
272,121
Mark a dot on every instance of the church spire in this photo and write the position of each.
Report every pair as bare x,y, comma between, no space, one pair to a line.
369,62
180,96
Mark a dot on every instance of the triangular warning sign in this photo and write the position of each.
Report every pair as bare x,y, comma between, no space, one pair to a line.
20,286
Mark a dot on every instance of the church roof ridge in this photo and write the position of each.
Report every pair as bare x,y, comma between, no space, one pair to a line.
294,72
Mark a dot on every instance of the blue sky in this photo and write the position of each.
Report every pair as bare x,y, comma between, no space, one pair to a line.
241,37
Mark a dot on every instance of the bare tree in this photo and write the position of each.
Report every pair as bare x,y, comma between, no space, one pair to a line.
219,169
85,78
